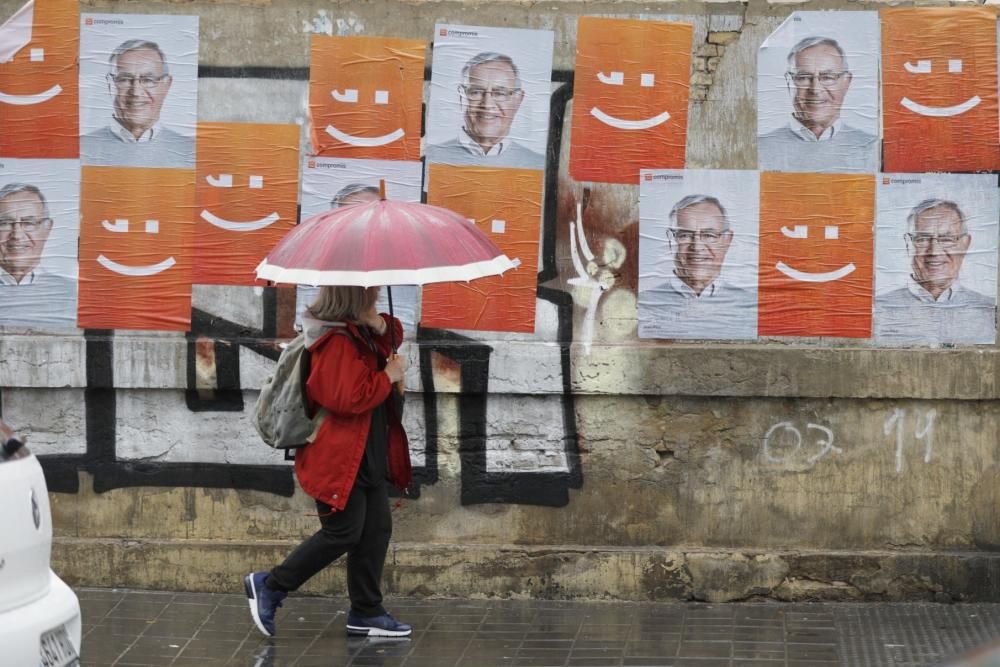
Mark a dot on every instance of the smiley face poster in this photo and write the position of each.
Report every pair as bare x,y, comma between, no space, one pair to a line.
630,98
39,81
816,248
506,204
247,198
135,248
939,89
366,97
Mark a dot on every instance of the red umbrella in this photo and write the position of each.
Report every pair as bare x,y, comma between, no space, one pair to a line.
384,243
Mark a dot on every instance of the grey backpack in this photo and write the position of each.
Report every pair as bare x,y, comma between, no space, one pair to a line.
283,415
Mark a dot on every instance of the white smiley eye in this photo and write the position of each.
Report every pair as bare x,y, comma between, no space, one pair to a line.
498,226
120,225
616,78
256,182
349,95
37,55
922,67
647,79
381,97
955,66
223,181
802,232
799,232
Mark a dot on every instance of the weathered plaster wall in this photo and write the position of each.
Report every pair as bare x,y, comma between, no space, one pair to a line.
577,462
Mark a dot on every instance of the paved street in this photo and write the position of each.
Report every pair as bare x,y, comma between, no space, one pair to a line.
187,629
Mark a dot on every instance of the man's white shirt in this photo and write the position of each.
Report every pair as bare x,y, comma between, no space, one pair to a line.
469,144
805,134
7,279
122,134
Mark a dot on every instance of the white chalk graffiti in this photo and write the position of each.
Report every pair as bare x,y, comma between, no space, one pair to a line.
925,431
586,276
823,442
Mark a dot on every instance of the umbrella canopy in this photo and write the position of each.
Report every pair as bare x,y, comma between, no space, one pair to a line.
384,243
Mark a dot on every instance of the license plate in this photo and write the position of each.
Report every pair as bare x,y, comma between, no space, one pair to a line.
57,650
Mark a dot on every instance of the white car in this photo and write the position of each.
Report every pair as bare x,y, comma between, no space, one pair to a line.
39,613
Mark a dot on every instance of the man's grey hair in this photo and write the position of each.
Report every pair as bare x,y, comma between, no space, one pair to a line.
694,200
17,188
810,42
352,189
135,45
491,57
927,204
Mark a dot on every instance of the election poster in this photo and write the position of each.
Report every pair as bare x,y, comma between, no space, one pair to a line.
939,88
138,90
818,94
506,204
489,102
698,247
135,248
39,232
39,81
630,98
366,97
936,259
247,198
816,248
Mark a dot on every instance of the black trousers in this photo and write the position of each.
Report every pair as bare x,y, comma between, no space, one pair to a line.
362,531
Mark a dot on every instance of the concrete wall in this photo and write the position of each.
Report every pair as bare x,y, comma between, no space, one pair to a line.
576,462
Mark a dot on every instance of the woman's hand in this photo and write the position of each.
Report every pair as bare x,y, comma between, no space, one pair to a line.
395,368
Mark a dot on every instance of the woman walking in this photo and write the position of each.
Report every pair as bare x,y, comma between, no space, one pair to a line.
359,448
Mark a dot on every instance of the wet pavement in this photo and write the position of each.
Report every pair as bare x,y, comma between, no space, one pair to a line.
124,627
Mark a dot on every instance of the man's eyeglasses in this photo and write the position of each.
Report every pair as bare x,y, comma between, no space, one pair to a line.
689,236
478,93
28,225
146,81
826,79
944,241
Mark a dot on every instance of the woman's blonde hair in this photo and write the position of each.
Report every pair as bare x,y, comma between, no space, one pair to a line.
342,303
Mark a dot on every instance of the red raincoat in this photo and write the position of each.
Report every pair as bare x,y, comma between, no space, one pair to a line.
345,379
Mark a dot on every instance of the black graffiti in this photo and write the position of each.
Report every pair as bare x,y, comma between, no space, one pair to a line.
478,484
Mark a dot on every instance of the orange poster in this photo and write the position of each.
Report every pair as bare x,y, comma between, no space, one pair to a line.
135,257
366,97
630,98
939,73
816,249
507,205
247,198
39,86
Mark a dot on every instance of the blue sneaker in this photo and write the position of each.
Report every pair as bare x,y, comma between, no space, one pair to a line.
376,626
264,602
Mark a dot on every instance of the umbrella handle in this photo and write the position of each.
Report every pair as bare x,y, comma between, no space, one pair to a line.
392,335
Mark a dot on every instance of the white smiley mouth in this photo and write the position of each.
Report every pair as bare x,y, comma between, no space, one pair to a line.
230,226
940,112
26,100
621,124
808,277
136,271
366,142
